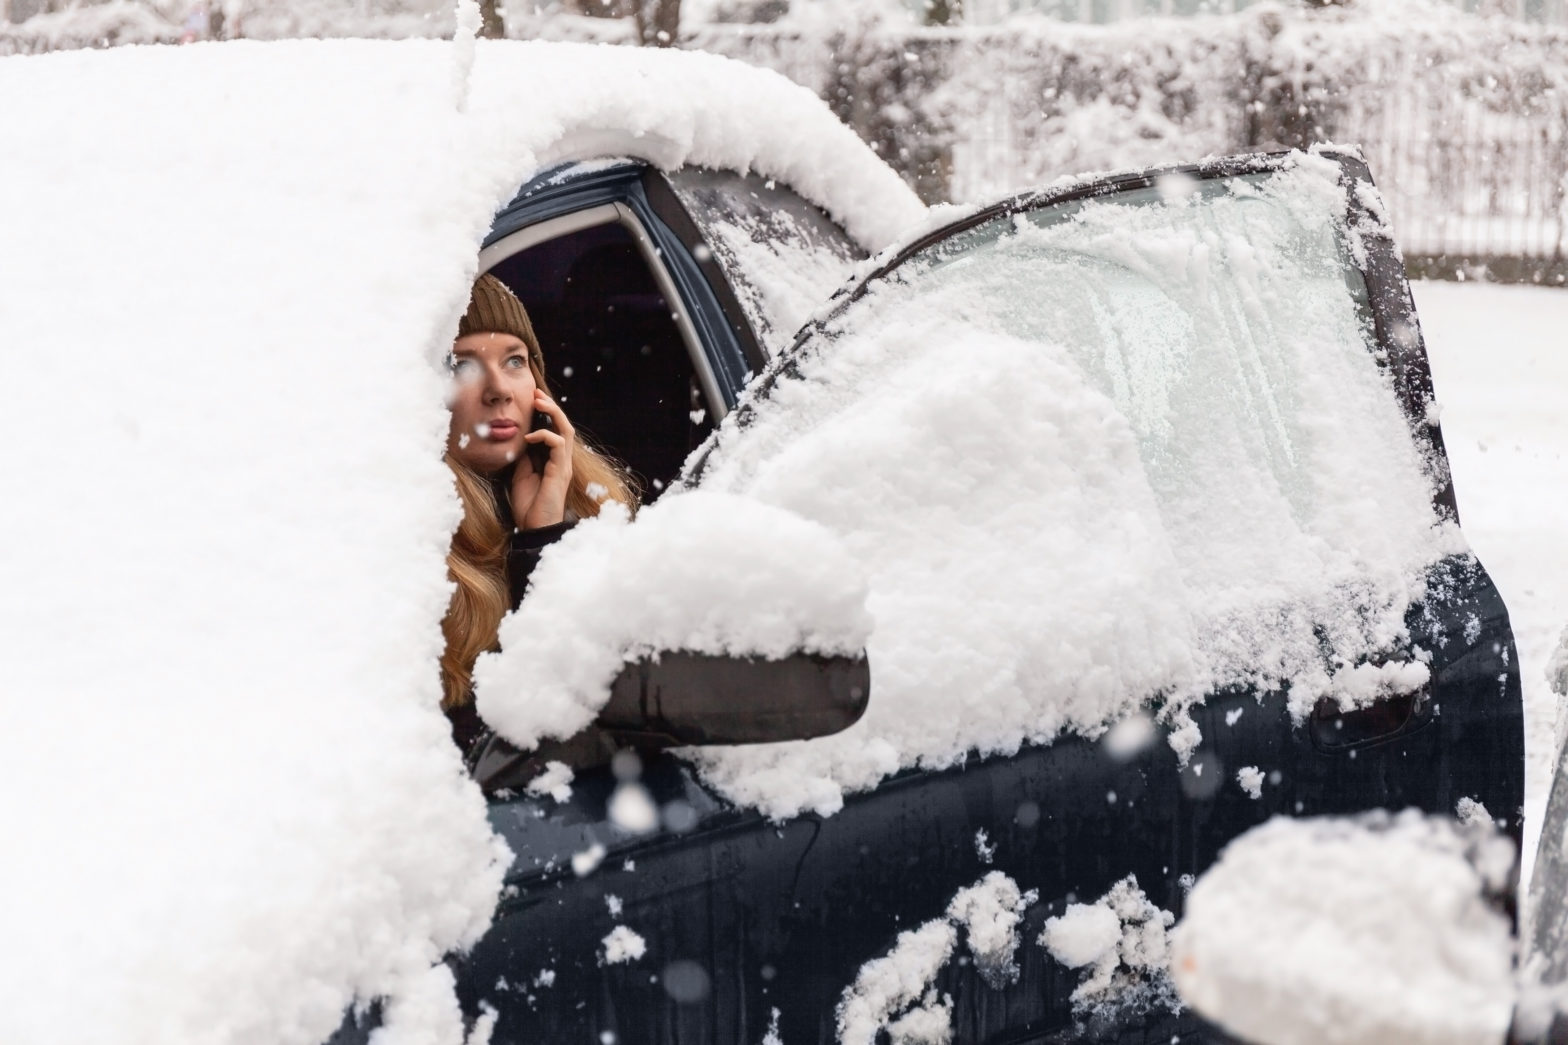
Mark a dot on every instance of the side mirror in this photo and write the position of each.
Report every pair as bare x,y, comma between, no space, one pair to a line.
694,698
709,619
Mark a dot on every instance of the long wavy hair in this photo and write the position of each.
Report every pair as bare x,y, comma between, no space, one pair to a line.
476,562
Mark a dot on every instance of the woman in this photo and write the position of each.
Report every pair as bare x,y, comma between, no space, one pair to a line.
519,465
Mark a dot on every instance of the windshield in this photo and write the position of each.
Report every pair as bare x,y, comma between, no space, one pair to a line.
1137,446
1191,303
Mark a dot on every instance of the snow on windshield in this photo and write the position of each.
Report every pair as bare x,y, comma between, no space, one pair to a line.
230,803
1140,448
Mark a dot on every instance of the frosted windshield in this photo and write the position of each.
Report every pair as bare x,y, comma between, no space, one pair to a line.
1135,447
1187,303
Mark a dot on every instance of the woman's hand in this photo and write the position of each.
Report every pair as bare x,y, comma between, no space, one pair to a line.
540,499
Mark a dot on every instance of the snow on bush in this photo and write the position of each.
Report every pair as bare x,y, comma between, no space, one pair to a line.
1143,450
1389,937
116,23
1121,938
227,271
702,573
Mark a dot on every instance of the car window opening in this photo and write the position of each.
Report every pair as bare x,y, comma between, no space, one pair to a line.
613,349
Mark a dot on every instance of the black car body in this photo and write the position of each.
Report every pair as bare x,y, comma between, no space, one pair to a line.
755,928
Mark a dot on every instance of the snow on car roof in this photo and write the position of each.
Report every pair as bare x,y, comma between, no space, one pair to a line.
223,274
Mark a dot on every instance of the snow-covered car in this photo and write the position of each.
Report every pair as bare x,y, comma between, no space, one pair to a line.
1132,489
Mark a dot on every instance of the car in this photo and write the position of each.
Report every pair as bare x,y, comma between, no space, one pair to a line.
1073,694
746,917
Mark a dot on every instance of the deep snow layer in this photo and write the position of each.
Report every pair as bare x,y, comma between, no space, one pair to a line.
228,800
1501,378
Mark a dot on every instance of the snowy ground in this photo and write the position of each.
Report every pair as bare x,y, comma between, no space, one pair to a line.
1500,364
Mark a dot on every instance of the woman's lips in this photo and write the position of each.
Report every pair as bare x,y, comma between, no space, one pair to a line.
497,431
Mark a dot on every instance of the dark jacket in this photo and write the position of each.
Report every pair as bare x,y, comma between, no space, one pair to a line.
468,729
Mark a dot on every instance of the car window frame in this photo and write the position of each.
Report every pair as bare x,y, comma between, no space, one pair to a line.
618,213
756,185
730,356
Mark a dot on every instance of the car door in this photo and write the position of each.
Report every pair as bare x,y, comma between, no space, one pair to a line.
719,924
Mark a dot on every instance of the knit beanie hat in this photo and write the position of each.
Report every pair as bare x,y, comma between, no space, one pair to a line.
493,309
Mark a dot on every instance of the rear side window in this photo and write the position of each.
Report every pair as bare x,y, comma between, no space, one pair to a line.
612,338
782,255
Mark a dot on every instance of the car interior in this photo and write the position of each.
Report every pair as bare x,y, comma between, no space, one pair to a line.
616,359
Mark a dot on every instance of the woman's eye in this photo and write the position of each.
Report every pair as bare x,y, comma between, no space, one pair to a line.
517,362
463,369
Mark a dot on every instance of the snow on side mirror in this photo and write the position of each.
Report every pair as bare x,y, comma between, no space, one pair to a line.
1357,930
710,618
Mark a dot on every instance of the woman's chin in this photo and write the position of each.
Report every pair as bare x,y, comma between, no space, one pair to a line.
488,459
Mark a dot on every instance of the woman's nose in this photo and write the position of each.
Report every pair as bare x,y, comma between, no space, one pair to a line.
495,390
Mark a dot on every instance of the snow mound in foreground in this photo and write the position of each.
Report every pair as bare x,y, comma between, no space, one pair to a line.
1354,932
227,273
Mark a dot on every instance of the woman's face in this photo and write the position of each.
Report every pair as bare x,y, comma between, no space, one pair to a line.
492,401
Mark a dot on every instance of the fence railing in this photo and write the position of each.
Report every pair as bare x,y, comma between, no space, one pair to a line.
986,12
1464,120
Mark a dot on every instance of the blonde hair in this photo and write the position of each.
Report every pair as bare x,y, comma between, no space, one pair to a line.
476,562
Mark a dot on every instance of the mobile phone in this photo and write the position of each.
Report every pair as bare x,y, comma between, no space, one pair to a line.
538,453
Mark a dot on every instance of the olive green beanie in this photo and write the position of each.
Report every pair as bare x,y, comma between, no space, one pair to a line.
493,309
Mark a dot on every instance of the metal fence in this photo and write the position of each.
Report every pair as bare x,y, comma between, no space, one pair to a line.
1464,120
1474,166
987,12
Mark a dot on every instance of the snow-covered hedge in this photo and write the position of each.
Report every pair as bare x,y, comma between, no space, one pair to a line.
100,25
1461,117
